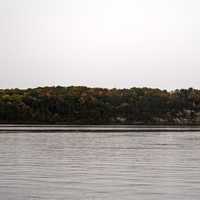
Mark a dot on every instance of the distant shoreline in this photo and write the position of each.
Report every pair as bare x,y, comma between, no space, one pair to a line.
5,128
34,124
98,106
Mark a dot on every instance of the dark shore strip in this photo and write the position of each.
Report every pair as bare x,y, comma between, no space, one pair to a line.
100,130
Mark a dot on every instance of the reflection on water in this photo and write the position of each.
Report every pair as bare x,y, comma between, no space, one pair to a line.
122,166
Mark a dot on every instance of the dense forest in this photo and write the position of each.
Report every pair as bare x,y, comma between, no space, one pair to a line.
83,105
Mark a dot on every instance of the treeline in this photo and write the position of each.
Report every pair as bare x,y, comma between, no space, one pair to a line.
83,105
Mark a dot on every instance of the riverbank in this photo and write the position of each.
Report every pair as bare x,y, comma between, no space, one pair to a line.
85,106
92,128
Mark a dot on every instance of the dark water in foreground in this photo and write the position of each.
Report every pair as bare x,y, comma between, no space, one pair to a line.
107,166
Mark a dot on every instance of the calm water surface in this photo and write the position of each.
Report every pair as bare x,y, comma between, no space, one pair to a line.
108,166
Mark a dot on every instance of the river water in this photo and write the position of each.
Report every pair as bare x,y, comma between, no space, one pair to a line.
100,165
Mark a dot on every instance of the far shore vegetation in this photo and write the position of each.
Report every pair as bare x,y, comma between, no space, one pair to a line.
83,105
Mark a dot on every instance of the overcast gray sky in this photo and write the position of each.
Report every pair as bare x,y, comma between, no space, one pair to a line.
104,43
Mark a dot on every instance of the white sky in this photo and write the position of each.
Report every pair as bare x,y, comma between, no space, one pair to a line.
104,43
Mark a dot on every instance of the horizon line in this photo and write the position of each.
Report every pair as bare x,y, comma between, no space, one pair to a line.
99,87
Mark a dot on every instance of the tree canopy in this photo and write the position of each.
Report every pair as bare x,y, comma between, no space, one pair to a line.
83,105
